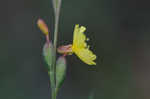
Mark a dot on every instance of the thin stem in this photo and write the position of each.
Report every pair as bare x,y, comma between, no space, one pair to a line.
54,59
52,77
56,32
52,82
56,13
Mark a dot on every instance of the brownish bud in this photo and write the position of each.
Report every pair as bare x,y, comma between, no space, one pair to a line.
43,27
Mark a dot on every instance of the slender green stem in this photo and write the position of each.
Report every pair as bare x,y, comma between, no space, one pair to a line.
54,59
56,13
56,32
52,82
52,77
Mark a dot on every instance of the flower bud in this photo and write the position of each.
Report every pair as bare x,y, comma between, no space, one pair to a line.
48,54
60,71
43,27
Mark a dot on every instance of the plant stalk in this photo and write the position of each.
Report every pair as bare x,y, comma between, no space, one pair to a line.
52,77
54,59
52,83
56,6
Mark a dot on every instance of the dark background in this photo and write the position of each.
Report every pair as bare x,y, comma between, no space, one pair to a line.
119,35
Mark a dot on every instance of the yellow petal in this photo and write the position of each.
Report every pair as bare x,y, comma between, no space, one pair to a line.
86,56
79,37
80,47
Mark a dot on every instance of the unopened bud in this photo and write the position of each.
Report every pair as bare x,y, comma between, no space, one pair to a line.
43,27
48,54
60,71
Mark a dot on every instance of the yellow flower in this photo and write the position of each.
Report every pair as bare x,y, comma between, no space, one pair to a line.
79,46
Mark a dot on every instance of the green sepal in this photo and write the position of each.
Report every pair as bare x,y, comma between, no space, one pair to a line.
60,71
48,54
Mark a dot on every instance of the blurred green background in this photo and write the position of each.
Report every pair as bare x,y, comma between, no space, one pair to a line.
119,32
